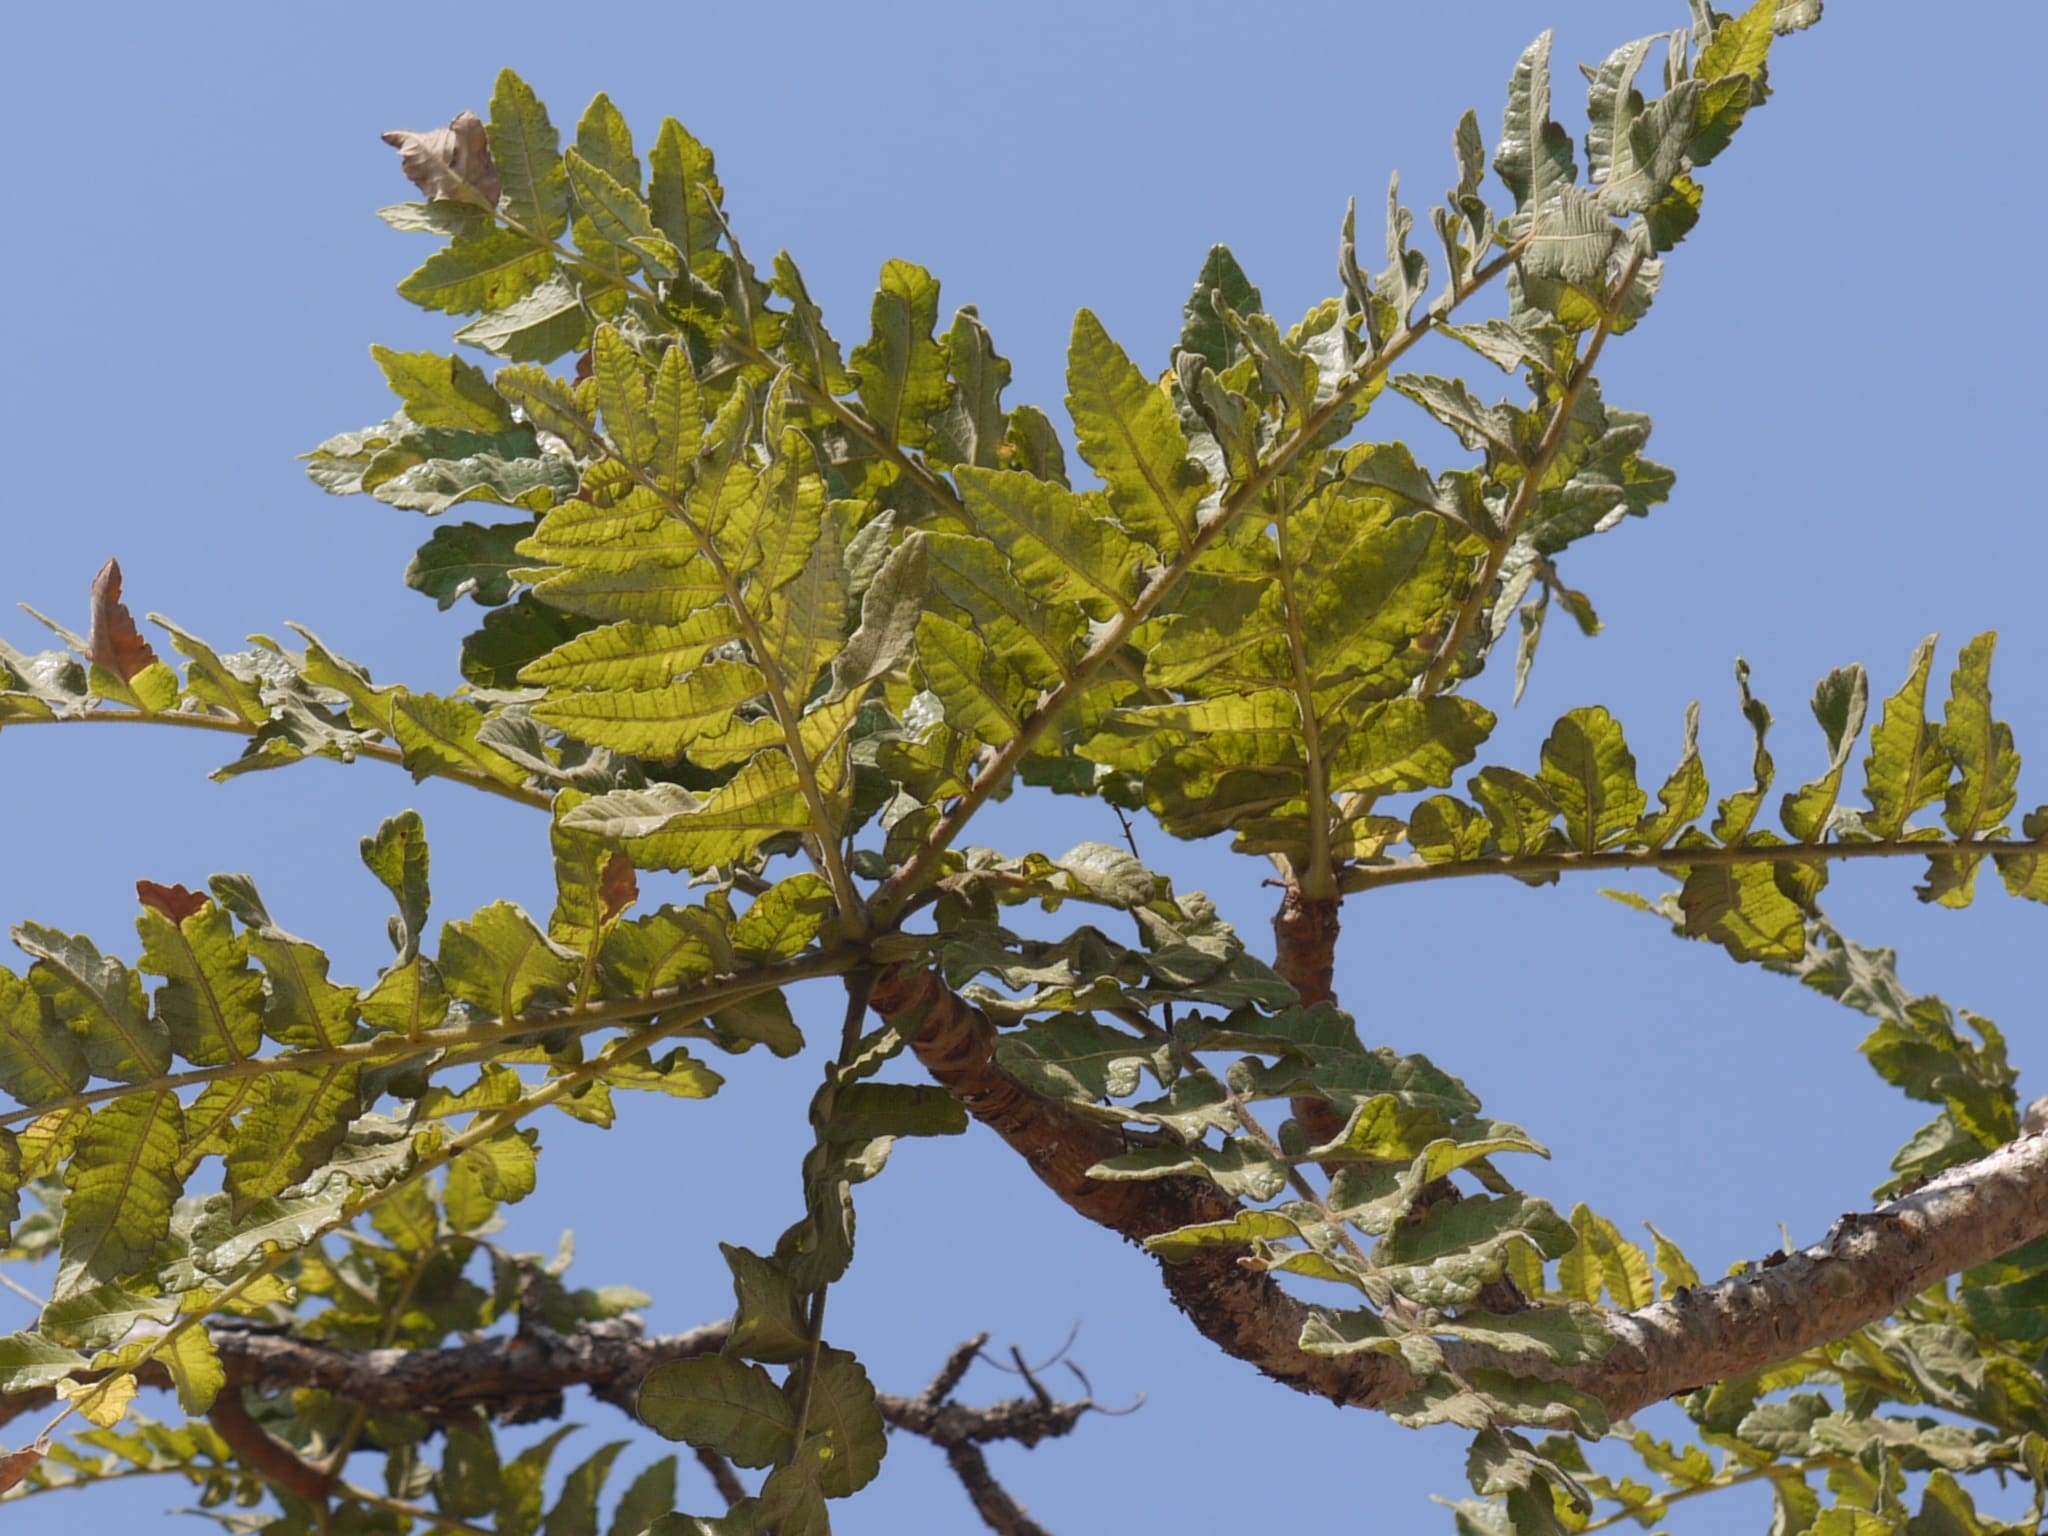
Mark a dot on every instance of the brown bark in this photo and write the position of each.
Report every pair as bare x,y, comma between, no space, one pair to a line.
1867,1267
269,1459
1305,954
508,1379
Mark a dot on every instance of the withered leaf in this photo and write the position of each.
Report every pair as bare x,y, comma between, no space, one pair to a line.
15,1465
115,643
618,887
173,901
452,163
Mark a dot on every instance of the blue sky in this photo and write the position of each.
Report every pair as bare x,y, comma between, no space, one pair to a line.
1840,368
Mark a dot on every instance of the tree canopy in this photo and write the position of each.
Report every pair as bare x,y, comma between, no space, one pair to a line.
768,623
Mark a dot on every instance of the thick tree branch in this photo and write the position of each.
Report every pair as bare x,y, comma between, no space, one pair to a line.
1869,1265
521,1378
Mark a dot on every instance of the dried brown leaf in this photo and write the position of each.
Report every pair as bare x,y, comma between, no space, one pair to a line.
618,887
15,1465
173,901
452,163
115,643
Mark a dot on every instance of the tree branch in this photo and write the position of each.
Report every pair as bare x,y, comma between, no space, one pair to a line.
520,1379
1868,1266
1374,877
269,1459
376,751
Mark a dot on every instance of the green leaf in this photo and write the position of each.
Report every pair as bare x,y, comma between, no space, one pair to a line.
297,1120
1683,795
120,1184
1399,745
902,368
502,963
1063,548
769,1323
1742,908
1604,1260
29,1362
498,1171
301,1007
632,656
649,1497
865,1111
468,560
546,323
397,855
721,1404
1130,436
575,1511
678,420
527,151
211,680
1907,767
845,1413
1590,775
489,271
622,396
1840,704
212,1000
604,141
443,391
973,427
661,724
40,1060
1534,157
1987,770
612,209
99,1000
1203,329
439,735
553,405
812,348
684,193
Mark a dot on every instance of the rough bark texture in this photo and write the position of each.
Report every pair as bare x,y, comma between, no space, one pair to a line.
513,1379
1305,954
1869,1265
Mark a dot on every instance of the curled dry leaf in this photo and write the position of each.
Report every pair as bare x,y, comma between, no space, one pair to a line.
618,887
115,643
173,901
15,1465
452,163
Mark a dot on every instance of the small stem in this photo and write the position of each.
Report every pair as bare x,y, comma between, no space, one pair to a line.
1368,877
860,990
1527,491
1644,1513
377,751
411,1511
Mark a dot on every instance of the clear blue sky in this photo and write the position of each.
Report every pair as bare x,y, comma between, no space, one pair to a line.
1842,368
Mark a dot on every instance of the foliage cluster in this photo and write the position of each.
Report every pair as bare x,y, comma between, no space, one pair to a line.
782,619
